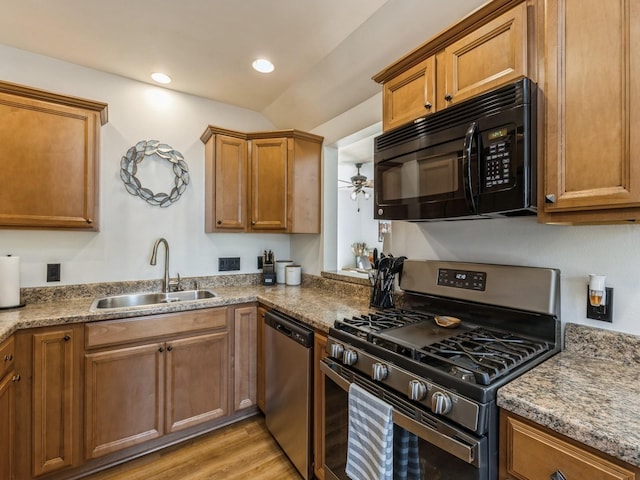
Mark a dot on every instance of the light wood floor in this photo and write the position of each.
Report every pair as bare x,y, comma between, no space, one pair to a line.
240,451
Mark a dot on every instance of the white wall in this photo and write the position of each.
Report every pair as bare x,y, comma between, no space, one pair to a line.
129,226
610,250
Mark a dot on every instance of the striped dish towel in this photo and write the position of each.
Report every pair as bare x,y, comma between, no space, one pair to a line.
370,439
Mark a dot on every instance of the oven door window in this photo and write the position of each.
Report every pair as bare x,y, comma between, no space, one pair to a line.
434,463
433,174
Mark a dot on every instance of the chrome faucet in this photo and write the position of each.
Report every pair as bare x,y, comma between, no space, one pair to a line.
154,254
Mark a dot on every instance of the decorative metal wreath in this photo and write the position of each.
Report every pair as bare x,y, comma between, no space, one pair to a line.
129,168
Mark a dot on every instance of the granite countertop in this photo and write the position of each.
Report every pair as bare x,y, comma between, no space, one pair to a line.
590,392
317,303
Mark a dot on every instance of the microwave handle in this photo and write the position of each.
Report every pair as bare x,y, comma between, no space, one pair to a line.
466,166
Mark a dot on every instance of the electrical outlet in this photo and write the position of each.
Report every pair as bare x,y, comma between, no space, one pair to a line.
227,264
603,312
53,272
259,262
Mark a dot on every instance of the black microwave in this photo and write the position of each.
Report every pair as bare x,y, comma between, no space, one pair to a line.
476,159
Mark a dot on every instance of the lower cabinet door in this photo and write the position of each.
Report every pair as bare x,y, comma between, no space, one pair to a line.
196,380
124,401
7,426
55,399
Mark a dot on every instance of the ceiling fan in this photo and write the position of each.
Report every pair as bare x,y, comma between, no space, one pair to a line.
358,183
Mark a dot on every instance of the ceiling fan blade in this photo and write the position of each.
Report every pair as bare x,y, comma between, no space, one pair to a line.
345,181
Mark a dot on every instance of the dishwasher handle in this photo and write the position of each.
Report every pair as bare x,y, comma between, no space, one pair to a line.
290,328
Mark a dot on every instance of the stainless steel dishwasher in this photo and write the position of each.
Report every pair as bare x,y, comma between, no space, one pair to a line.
288,384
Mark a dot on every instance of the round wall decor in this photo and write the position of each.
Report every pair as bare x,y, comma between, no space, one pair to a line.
150,148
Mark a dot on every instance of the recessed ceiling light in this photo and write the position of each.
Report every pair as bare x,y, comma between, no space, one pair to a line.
161,77
263,65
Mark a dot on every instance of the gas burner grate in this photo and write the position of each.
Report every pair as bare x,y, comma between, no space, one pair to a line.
485,355
378,322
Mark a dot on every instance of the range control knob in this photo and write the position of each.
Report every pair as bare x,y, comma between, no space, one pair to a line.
349,357
440,403
417,390
379,371
337,350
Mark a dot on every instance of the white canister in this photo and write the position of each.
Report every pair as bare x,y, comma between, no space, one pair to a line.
293,274
280,273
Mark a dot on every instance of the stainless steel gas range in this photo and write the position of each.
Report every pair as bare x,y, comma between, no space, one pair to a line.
464,330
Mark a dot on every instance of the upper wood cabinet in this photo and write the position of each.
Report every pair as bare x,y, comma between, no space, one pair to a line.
262,182
590,142
49,155
488,48
410,95
488,57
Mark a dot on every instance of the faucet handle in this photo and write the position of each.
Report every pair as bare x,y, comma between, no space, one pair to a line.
176,286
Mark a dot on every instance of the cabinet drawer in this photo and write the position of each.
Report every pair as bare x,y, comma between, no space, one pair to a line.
6,356
534,454
113,332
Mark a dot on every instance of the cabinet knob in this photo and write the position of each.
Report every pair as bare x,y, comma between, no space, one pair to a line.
89,221
161,349
16,378
428,105
169,348
448,97
67,338
558,475
219,222
253,222
551,198
8,358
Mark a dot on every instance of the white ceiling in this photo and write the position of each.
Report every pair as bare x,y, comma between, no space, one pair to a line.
325,51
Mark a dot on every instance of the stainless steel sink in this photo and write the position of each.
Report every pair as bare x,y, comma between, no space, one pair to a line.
145,299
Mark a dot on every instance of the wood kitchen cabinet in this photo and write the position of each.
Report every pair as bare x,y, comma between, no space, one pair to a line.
262,181
410,95
8,379
261,391
226,183
151,376
245,329
49,157
48,400
319,344
531,452
590,142
488,48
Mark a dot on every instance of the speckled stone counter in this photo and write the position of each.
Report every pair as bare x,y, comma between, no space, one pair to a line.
590,392
317,302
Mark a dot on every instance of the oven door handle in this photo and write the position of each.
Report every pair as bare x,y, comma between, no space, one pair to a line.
466,166
450,445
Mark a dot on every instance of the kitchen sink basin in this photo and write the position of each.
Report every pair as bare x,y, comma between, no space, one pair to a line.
145,299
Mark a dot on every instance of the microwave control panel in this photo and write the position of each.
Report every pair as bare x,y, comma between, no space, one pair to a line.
497,154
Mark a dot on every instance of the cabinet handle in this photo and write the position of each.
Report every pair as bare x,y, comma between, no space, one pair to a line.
8,358
558,475
67,338
16,378
551,198
448,97
161,349
169,348
428,105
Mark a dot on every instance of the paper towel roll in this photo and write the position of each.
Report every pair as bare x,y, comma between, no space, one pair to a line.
9,281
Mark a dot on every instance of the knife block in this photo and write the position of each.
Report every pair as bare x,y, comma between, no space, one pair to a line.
268,274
